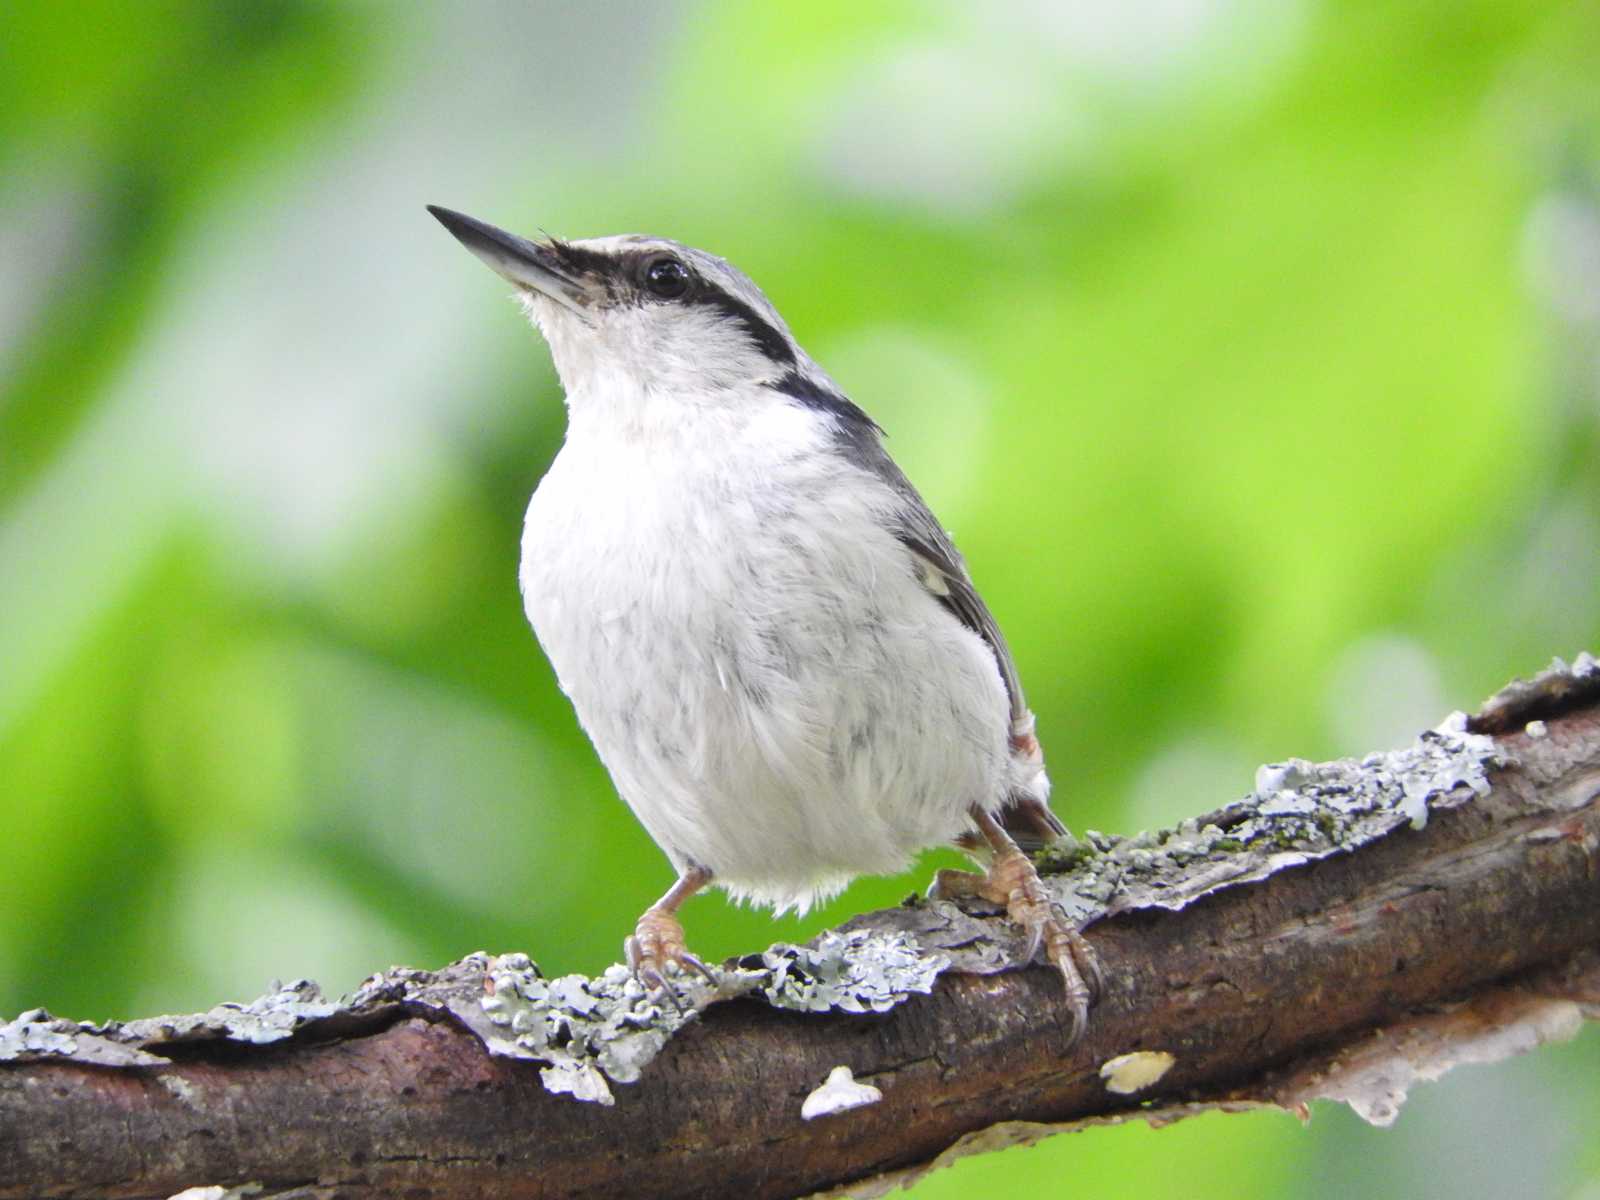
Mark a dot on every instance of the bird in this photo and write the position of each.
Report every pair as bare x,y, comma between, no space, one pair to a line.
772,643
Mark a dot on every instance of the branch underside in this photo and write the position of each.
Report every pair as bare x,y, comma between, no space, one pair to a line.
1487,918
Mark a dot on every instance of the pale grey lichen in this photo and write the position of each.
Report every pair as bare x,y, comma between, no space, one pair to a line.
591,1033
36,1034
587,1033
284,1012
585,1030
269,1018
848,970
1300,811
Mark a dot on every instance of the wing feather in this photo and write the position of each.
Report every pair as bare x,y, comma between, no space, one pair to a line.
939,567
938,563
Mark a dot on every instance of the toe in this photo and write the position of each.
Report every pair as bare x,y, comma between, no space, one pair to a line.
693,962
1077,1014
1088,964
1035,940
660,961
661,988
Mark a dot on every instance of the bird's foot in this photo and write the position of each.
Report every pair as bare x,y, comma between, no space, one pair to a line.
656,948
1012,882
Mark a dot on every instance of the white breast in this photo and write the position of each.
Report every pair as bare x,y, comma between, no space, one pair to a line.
776,696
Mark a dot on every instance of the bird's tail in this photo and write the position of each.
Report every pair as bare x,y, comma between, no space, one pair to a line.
1025,812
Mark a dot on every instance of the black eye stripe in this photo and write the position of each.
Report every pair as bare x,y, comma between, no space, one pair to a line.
813,395
580,258
771,342
621,272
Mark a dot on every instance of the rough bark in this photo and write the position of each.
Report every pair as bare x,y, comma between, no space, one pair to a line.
1262,992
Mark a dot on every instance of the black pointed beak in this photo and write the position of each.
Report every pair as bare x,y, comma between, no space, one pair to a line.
527,264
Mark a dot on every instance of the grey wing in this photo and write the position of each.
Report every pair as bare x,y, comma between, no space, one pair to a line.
938,563
937,560
939,567
1026,814
942,572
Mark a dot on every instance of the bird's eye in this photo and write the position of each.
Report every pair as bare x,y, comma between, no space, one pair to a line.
666,277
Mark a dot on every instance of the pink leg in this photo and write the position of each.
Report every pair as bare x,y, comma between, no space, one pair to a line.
656,945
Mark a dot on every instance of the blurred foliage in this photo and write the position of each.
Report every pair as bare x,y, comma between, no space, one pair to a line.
1250,349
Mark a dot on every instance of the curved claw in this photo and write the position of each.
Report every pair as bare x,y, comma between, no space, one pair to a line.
656,985
1070,953
1013,881
631,953
1035,940
1077,1012
1089,966
660,989
655,949
694,963
1082,954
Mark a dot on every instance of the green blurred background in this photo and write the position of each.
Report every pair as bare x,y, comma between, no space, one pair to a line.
1248,346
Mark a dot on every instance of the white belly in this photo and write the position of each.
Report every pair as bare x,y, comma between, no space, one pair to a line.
774,694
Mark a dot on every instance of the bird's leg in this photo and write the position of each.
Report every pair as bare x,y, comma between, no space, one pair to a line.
1011,880
656,945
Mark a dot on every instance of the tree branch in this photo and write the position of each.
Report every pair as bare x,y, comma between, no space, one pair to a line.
1260,968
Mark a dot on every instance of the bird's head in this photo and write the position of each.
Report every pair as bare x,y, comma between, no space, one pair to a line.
638,313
